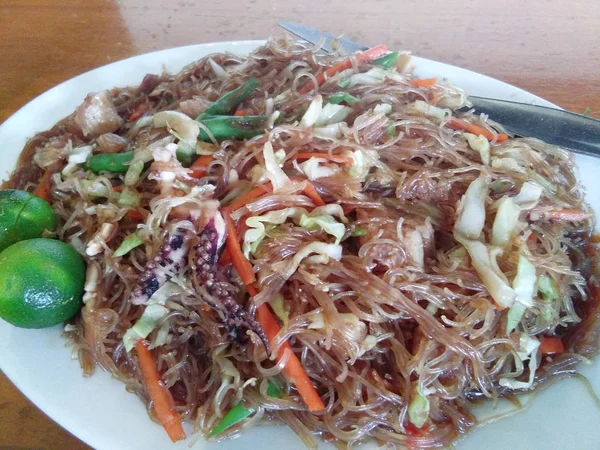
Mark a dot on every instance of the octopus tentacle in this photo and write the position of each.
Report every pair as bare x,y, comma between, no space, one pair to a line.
168,261
212,278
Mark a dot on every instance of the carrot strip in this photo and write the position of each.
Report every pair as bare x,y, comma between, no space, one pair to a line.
225,258
255,193
139,111
241,229
44,189
200,166
241,264
118,188
162,401
551,345
241,112
312,193
293,368
252,290
365,56
335,158
135,215
476,130
424,82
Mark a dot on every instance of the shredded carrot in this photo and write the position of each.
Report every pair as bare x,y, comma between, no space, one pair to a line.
200,165
139,111
118,188
135,215
335,158
44,189
551,345
365,56
423,82
255,193
241,229
293,368
252,290
162,401
312,193
259,191
476,130
241,264
225,258
241,112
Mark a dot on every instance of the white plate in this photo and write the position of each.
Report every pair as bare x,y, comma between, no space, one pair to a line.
98,409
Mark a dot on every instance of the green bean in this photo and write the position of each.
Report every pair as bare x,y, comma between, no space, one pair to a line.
387,60
110,162
235,415
233,127
340,97
230,101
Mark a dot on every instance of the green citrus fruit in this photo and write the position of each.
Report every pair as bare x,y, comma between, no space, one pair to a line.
23,216
41,283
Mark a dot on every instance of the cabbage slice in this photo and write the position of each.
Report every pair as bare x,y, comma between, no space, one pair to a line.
488,271
471,212
505,223
324,252
143,327
528,350
273,171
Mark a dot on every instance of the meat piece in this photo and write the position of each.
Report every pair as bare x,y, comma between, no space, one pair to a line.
92,278
106,232
168,262
211,277
111,143
97,115
194,107
149,82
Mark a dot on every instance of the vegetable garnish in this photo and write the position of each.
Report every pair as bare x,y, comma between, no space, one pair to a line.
423,82
235,415
293,368
200,166
312,193
458,124
551,345
388,60
111,162
162,400
255,193
232,127
367,55
44,188
340,97
129,243
241,264
230,101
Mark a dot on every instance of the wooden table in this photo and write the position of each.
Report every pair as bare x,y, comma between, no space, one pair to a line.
548,47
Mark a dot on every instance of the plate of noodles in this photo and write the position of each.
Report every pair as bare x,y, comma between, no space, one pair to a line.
307,250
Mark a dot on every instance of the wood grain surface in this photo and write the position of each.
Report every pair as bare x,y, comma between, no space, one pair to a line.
548,47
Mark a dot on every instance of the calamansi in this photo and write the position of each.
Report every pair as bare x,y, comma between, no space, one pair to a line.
41,283
23,216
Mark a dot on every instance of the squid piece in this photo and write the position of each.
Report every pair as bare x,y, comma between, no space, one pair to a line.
168,261
212,278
